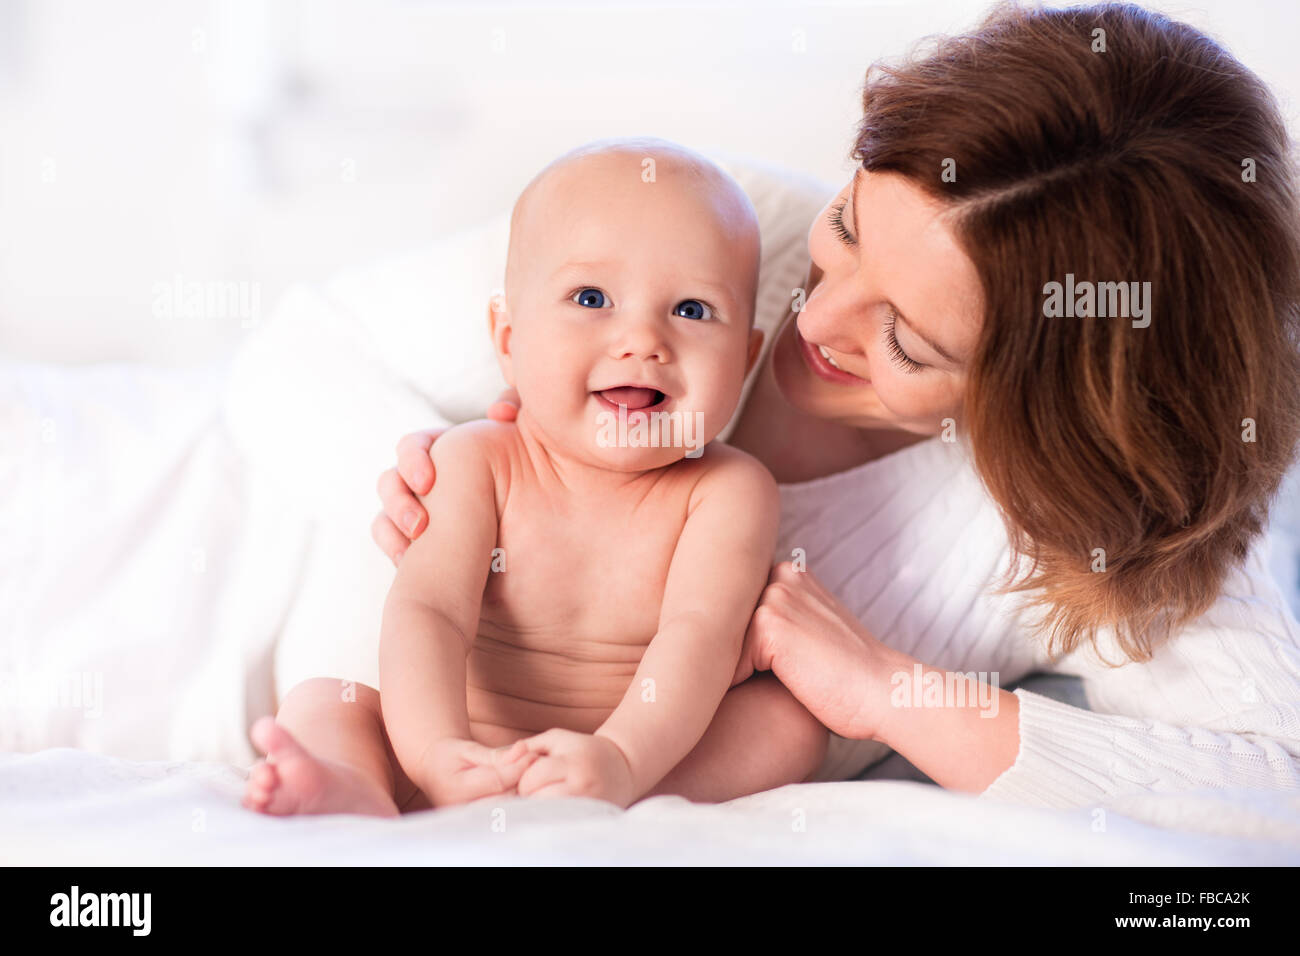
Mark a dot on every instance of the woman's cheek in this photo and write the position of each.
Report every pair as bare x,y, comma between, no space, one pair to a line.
905,396
888,394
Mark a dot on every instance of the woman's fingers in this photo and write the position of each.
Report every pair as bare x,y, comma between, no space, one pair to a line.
754,655
744,669
506,407
414,466
745,666
399,488
401,506
391,541
404,518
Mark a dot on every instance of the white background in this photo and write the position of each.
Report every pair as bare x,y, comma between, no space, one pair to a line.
265,142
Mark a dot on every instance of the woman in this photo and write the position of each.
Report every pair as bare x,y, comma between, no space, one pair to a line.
1031,415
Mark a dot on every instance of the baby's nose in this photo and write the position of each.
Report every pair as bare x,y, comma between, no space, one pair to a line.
642,339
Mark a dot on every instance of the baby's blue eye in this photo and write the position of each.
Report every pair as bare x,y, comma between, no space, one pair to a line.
591,298
693,309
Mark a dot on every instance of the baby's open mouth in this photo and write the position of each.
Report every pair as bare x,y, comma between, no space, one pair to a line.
632,397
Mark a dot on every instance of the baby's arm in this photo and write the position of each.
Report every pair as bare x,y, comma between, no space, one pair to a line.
430,621
718,571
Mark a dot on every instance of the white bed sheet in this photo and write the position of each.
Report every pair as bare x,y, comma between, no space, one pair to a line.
139,544
144,573
69,807
143,485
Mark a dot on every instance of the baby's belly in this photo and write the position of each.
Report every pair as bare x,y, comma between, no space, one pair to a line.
514,691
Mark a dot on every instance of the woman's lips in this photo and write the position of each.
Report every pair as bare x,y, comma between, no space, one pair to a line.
814,359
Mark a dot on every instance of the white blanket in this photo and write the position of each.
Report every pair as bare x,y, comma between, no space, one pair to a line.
140,566
69,807
175,544
126,479
146,501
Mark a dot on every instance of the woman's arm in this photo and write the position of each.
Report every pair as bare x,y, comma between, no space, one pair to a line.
861,689
1218,705
1222,702
967,741
1071,757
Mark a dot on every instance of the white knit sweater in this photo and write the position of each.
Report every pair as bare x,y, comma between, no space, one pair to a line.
912,544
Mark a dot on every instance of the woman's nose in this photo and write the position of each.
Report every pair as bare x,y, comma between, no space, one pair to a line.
814,273
832,315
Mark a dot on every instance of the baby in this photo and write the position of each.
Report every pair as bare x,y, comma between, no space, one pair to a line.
575,618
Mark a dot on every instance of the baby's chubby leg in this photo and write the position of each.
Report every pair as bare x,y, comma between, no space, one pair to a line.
761,737
327,752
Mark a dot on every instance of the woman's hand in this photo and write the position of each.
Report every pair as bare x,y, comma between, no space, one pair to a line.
821,653
403,518
846,679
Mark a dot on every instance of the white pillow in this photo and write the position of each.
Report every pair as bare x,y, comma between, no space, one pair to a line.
320,395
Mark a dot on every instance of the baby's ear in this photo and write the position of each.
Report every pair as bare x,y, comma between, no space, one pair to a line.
498,315
755,348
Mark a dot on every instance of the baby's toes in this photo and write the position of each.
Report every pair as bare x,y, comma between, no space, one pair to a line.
269,737
261,786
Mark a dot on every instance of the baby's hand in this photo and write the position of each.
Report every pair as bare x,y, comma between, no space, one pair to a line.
570,764
458,771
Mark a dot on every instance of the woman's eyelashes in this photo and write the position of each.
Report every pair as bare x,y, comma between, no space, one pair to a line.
836,218
896,353
693,309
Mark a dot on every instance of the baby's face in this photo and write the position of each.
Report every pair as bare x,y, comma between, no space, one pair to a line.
628,311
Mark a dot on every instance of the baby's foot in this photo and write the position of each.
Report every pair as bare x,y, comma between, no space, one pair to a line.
291,780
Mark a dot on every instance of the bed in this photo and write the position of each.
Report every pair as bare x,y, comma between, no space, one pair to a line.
64,806
182,545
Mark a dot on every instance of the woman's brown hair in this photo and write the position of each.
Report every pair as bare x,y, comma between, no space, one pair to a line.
1112,144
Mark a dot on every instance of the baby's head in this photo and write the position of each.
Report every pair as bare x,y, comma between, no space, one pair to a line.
630,284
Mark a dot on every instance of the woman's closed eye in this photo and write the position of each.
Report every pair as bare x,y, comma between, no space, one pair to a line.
896,353
836,219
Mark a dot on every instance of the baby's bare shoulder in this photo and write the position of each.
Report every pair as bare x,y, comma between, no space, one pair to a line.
481,439
724,471
735,502
477,450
